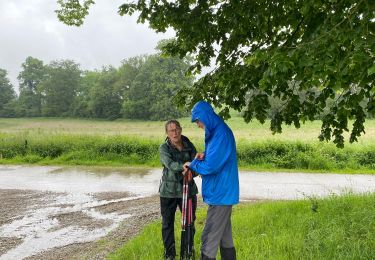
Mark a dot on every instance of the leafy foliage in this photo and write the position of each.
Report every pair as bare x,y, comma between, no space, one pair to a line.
142,88
73,11
104,100
60,87
7,95
307,53
30,99
150,95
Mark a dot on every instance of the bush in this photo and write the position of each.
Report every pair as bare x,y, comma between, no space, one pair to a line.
312,156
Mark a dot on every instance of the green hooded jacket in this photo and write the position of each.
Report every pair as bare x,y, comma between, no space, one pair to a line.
173,160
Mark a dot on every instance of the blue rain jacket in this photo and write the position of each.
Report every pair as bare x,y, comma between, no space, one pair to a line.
219,170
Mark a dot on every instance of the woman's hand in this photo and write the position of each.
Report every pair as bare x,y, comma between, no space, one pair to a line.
186,167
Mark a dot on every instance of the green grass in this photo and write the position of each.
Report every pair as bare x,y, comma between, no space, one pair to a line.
332,228
78,150
56,141
254,131
115,150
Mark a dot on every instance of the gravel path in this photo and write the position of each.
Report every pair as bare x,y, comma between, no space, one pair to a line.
16,205
53,213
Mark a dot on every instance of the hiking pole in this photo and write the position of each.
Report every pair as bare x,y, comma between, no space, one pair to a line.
187,239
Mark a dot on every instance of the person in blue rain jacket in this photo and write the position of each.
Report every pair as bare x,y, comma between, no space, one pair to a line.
218,168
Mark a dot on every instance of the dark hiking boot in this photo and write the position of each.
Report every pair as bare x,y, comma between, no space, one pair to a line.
228,253
204,257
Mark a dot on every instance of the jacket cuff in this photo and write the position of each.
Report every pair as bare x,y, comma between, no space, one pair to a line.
193,165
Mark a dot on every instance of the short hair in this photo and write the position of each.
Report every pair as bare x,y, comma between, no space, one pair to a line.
172,121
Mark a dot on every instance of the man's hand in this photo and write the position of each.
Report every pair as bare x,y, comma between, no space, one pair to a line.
199,156
186,167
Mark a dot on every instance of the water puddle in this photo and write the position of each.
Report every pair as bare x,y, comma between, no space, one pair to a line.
70,212
71,180
290,186
77,205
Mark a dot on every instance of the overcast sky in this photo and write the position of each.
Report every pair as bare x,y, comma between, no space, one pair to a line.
31,28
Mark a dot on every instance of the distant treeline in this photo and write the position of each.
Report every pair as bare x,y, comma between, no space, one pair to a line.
141,88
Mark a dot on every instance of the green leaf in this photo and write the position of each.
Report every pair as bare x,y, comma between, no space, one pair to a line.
371,70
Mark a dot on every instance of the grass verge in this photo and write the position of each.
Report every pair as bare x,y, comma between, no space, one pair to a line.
68,149
331,228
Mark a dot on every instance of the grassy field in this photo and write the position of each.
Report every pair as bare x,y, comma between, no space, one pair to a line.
253,131
129,143
331,228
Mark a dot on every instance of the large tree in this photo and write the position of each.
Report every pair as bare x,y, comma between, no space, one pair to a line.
307,54
60,87
128,71
150,95
30,98
104,98
7,95
81,104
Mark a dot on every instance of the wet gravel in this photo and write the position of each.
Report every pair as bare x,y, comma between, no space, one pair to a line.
53,213
15,204
7,243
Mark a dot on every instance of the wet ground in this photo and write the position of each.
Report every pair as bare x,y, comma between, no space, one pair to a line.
70,213
50,225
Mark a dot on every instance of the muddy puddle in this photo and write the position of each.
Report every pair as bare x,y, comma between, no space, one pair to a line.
61,213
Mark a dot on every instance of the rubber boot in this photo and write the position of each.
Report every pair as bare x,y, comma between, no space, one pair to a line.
228,253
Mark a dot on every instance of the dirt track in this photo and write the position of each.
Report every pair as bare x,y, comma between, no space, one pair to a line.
51,213
17,204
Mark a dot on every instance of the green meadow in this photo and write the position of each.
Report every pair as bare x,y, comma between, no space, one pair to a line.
251,132
56,141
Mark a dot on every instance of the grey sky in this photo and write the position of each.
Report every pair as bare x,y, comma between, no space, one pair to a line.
31,28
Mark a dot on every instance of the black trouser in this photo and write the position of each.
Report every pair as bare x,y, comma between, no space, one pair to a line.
168,208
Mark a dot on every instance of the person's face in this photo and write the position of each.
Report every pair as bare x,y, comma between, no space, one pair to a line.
174,133
199,124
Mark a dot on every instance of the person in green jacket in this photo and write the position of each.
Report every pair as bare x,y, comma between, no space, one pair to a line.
174,152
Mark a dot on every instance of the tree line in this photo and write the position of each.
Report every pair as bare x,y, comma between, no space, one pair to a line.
142,87
316,57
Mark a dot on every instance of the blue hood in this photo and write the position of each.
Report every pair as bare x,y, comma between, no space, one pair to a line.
218,169
204,112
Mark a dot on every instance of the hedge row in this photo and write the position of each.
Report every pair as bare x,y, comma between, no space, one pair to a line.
272,154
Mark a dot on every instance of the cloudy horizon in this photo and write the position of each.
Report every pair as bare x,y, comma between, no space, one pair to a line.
105,38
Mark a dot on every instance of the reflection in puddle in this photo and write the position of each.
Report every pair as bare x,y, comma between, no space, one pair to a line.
71,180
145,182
